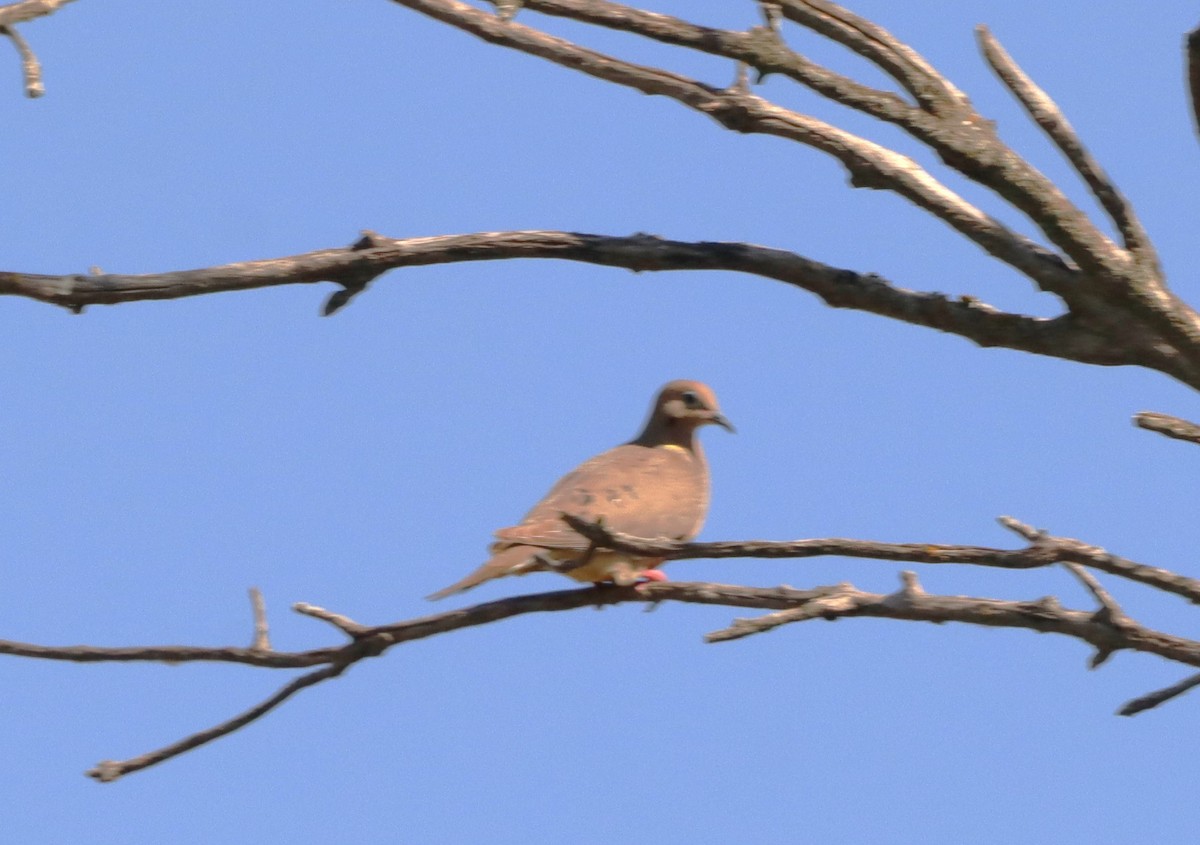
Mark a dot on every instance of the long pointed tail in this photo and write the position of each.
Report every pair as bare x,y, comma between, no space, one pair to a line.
509,561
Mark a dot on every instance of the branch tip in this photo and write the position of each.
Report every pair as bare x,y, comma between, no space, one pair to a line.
1026,531
31,68
1176,428
1154,699
262,634
343,623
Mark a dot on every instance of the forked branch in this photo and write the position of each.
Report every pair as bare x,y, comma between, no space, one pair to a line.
1118,310
1106,629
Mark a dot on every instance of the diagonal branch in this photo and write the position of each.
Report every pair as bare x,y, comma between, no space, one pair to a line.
1101,283
1162,696
1175,427
870,165
107,771
934,93
1054,123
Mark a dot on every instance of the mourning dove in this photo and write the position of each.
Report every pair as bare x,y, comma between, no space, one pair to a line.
654,486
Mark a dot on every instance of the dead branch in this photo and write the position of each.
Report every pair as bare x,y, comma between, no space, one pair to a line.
31,69
1059,337
1118,309
262,631
1043,550
1119,290
1193,65
27,10
20,12
1107,629
1158,697
1050,118
787,604
1176,427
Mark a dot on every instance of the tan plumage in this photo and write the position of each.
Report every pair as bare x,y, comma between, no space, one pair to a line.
656,485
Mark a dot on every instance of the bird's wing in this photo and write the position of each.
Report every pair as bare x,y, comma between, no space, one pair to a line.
638,490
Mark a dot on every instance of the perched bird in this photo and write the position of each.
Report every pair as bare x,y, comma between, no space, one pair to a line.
654,486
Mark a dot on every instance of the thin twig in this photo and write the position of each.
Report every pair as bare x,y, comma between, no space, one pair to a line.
1107,603
1054,123
262,633
31,69
1151,700
1175,427
107,771
930,89
344,623
1193,63
1110,613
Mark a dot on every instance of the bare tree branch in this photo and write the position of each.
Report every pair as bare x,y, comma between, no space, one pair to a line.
1162,696
791,605
911,603
1107,629
19,12
934,93
1102,284
106,771
1175,427
945,120
1118,311
1043,550
262,632
1050,118
27,10
1193,71
30,68
870,165
1060,337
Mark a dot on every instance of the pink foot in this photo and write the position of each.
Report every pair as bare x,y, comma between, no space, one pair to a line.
649,576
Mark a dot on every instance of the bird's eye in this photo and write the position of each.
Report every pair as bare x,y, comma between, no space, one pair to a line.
690,399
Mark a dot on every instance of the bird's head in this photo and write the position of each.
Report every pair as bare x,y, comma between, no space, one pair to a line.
688,405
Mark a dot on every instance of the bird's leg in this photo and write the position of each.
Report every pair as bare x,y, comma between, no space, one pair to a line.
649,576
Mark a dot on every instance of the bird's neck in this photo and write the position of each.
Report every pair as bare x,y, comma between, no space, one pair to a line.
668,433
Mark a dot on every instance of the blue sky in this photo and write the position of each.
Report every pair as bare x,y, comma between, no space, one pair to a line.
159,458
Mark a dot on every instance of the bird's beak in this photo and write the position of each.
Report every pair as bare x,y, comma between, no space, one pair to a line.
719,419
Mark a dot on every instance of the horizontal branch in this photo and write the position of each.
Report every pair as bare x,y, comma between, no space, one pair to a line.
1099,629
1045,615
1043,550
373,255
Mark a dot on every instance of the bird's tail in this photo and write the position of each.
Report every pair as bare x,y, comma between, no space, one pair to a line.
510,561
